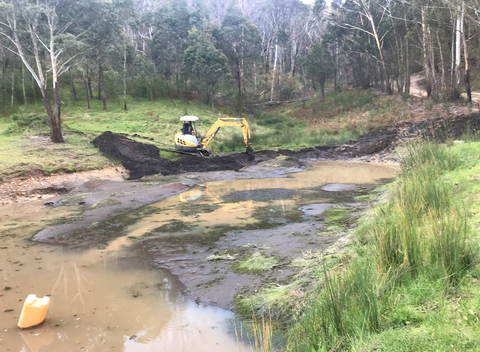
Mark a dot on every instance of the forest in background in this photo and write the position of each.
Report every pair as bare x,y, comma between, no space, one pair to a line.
232,53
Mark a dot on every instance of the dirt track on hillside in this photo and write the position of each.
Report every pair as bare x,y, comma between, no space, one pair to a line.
142,159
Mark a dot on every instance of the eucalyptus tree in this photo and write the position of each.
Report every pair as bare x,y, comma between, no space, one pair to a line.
369,17
45,36
206,64
169,40
239,40
319,65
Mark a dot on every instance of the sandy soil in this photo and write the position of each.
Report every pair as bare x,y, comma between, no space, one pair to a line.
34,185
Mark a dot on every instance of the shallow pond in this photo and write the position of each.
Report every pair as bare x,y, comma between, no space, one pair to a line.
110,298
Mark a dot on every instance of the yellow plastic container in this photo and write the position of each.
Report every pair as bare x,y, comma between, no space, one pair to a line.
33,311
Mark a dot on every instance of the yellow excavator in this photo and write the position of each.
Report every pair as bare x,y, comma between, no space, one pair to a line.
187,141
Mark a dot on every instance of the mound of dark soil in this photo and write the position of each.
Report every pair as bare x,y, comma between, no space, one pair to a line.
142,159
381,143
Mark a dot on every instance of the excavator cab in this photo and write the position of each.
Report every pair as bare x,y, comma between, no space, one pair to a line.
187,141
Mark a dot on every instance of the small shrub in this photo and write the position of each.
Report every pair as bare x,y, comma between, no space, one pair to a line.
23,121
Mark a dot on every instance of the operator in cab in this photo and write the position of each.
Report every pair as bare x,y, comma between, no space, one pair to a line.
187,128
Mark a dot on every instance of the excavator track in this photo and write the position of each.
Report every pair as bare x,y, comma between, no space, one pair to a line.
180,152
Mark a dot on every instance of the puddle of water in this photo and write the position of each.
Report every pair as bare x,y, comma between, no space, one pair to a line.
108,299
339,187
315,209
100,300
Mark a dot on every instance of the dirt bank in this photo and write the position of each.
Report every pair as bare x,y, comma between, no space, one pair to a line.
142,159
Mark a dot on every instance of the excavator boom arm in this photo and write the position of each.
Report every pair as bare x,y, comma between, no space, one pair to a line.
227,121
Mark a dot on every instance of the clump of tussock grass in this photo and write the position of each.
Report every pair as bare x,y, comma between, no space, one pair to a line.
278,302
256,264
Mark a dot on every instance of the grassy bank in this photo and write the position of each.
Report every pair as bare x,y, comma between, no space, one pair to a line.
411,279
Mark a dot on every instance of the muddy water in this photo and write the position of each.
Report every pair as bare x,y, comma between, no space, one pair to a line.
234,203
110,299
100,300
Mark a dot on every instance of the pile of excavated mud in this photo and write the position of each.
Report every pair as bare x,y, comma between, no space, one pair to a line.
142,159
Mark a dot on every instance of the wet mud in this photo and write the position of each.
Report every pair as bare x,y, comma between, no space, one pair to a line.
142,159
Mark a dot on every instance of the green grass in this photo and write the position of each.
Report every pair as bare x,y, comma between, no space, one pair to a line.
277,302
357,110
257,263
412,284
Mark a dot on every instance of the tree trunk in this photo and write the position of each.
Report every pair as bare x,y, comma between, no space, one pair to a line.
34,93
240,86
178,84
87,95
407,68
72,83
125,78
304,86
101,88
89,83
169,85
380,50
254,77
272,89
13,85
100,81
428,81
213,97
433,65
23,86
335,83
458,44
322,87
56,132
407,61
442,62
467,67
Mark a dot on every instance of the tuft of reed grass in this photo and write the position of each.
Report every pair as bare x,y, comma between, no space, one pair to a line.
259,332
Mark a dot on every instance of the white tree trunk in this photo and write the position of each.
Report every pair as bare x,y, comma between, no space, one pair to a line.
458,50
13,85
23,86
272,89
125,78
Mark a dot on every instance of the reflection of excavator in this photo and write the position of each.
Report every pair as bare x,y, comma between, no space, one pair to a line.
187,141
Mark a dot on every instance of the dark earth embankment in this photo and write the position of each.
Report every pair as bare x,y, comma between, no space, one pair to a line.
142,159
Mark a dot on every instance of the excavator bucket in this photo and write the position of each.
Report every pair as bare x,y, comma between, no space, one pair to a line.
250,154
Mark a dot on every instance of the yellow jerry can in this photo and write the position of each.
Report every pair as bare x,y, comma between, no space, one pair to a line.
33,311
